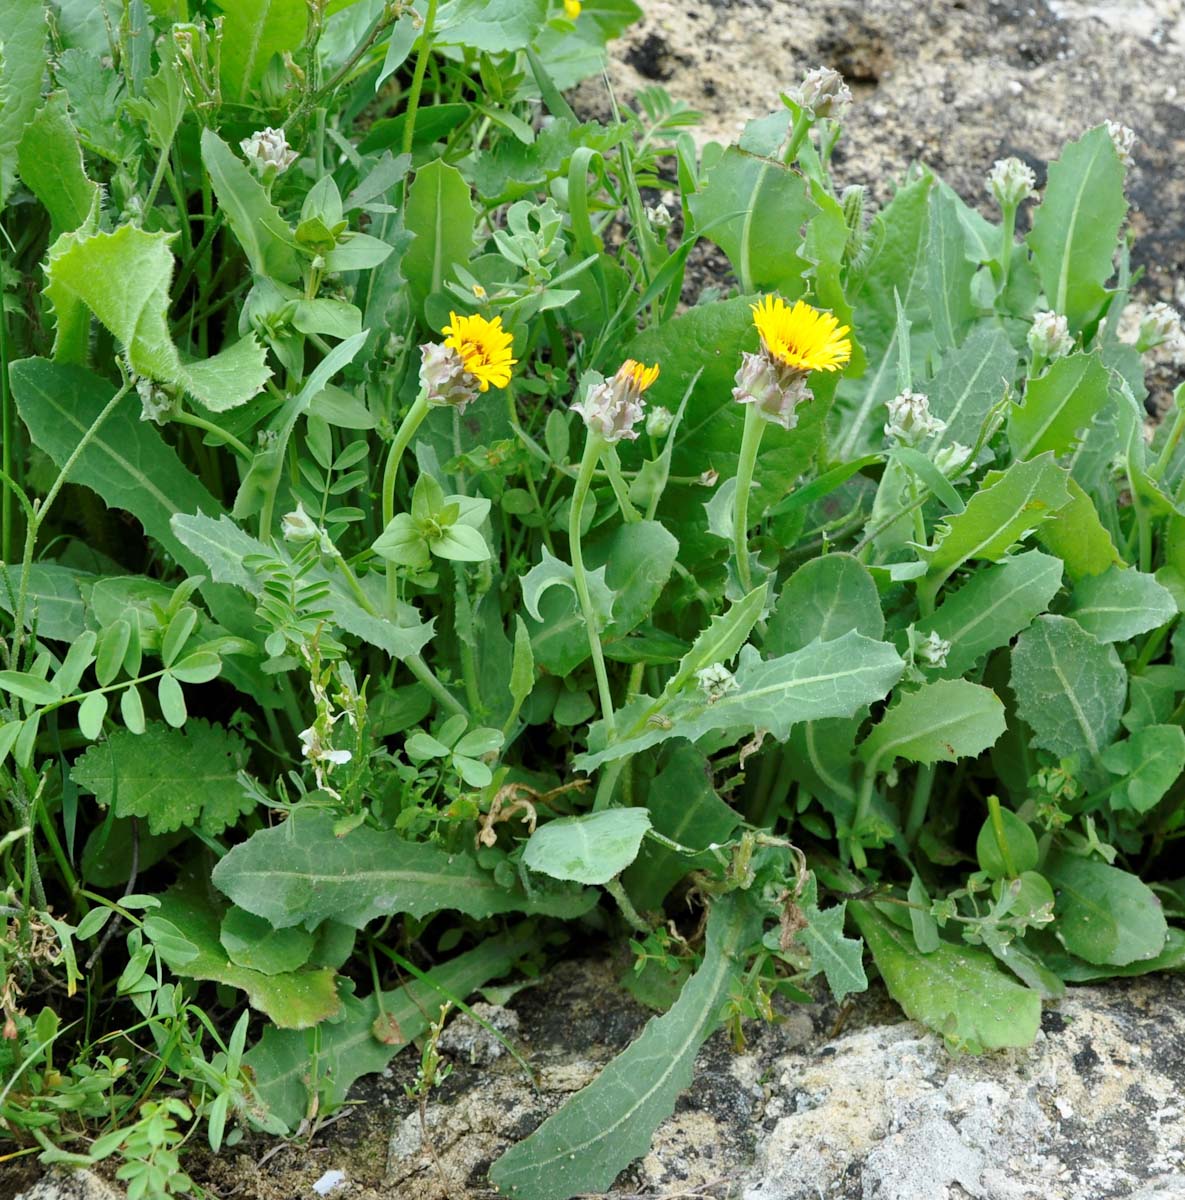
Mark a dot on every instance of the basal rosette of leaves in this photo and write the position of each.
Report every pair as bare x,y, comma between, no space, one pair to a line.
402,585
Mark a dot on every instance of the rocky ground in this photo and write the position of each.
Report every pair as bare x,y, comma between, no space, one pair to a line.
876,1110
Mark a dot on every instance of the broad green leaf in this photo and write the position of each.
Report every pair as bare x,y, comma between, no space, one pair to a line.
266,238
91,713
958,991
251,942
840,959
939,722
22,68
1070,688
300,873
170,777
51,166
1006,847
1148,762
1008,505
825,598
28,687
1077,536
754,209
590,848
1076,228
288,1072
638,560
992,607
491,26
1058,405
1075,970
123,278
292,1000
53,598
1104,915
441,215
568,56
684,807
969,381
824,679
825,248
1121,604
603,1128
253,31
162,104
949,272
1152,696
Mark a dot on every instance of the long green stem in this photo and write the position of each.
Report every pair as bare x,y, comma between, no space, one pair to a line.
750,444
588,464
240,448
7,432
920,802
1007,237
417,80
407,430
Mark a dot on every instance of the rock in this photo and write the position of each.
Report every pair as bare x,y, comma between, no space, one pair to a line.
70,1185
465,1038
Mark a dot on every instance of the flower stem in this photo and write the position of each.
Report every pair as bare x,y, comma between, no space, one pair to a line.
407,430
798,131
588,464
1007,237
423,53
186,418
750,444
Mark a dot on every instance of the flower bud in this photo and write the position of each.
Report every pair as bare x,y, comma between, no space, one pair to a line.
1049,335
298,526
910,421
932,650
1011,182
775,389
822,93
613,408
267,151
659,421
444,379
156,404
951,459
658,217
1124,141
1160,324
716,681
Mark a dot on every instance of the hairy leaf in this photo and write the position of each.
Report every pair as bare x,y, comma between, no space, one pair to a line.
1121,604
940,722
590,848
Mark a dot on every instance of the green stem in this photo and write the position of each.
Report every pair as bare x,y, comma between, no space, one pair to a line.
1170,443
7,435
620,489
997,820
615,889
588,464
407,430
798,131
750,444
240,448
920,802
417,81
1007,237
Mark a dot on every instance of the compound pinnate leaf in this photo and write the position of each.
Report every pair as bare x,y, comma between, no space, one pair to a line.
170,777
590,848
610,1123
301,873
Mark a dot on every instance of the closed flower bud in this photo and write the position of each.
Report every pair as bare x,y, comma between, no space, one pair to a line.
298,526
1124,141
156,404
659,421
932,650
1011,181
822,93
910,421
613,408
776,390
716,681
268,152
951,459
1160,324
444,379
1049,335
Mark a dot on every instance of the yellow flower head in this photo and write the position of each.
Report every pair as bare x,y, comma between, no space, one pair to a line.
802,337
484,347
571,9
637,374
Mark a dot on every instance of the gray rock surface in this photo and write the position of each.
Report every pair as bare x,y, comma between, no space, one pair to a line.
67,1185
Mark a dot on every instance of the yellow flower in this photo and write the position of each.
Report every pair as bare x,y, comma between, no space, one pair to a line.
571,9
640,375
484,347
802,337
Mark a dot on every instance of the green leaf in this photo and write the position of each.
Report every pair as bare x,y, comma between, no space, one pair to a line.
1008,505
51,166
251,942
441,215
754,209
293,1000
940,722
171,778
590,848
969,381
299,872
1076,228
584,1146
22,69
824,679
91,713
171,699
1104,915
53,598
253,31
638,559
1058,405
992,607
288,1072
958,991
522,670
839,958
1149,762
949,271
1078,537
493,26
266,238
721,641
28,687
1070,688
1121,604
1006,847
551,572
825,598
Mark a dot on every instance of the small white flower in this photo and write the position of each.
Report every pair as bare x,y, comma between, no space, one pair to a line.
1011,181
910,421
155,403
658,217
716,681
1124,141
268,152
1049,335
951,459
1160,324
932,650
822,92
337,757
298,526
316,752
